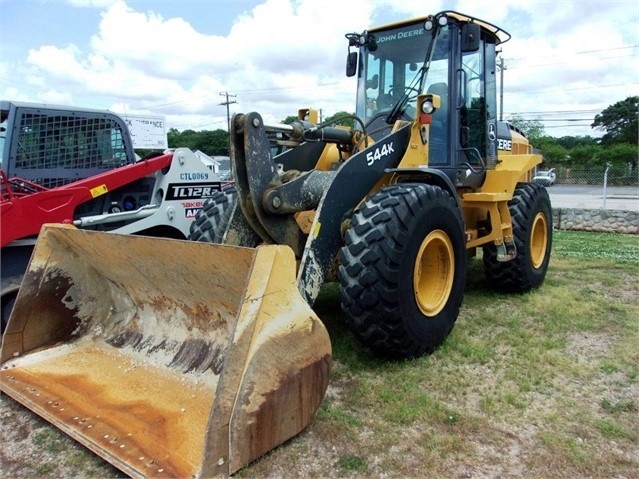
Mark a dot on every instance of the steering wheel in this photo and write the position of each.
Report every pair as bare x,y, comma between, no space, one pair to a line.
413,92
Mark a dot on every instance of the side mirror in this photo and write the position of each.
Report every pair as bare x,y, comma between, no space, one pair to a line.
470,36
351,64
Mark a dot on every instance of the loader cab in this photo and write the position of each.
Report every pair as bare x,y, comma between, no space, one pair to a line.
450,55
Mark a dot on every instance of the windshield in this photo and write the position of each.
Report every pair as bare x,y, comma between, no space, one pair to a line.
396,67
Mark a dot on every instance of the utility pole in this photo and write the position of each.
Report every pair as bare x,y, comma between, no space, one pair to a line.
501,88
227,103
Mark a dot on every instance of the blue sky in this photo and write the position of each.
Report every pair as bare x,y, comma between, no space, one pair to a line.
567,60
60,22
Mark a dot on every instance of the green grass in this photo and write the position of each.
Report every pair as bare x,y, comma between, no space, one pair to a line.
351,463
544,384
58,454
605,247
532,385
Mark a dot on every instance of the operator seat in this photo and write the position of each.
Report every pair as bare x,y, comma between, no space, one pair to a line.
439,126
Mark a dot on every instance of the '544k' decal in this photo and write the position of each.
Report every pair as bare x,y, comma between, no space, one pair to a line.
379,153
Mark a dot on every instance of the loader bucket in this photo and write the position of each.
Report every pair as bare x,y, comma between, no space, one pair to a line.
167,358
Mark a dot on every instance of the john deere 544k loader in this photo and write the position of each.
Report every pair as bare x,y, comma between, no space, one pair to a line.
190,359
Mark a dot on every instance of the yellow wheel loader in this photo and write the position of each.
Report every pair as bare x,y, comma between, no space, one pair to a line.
193,358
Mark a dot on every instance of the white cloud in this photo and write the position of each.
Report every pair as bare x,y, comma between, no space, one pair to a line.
57,61
280,51
167,47
286,54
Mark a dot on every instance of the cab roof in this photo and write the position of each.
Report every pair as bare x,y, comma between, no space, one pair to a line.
502,36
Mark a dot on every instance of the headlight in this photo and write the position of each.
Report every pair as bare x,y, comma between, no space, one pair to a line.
441,20
427,107
429,24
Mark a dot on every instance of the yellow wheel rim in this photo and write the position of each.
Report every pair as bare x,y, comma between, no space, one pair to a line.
538,240
434,272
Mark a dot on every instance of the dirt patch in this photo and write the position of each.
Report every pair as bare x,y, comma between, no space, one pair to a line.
32,448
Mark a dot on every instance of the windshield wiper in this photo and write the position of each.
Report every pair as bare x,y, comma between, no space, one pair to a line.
414,87
398,109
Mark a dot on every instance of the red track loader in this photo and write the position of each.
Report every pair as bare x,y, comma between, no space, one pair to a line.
77,166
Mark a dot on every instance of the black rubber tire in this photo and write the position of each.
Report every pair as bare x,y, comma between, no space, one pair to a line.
213,218
399,228
531,214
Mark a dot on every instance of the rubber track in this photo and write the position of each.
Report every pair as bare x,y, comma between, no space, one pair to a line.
211,221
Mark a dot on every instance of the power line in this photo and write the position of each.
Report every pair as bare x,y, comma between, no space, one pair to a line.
177,102
606,49
208,124
588,120
567,125
321,86
527,92
552,116
584,52
546,64
557,112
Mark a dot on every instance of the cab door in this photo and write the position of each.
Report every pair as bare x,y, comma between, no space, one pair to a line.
476,107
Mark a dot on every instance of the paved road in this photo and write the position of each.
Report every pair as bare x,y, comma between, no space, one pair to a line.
592,197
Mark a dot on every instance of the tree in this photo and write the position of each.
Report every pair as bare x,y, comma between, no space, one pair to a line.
621,156
554,153
342,118
586,157
173,136
570,142
619,121
211,142
533,129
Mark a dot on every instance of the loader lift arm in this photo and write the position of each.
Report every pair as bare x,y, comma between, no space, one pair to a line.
23,216
331,193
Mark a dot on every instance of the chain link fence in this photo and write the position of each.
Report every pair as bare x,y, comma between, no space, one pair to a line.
613,176
601,188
